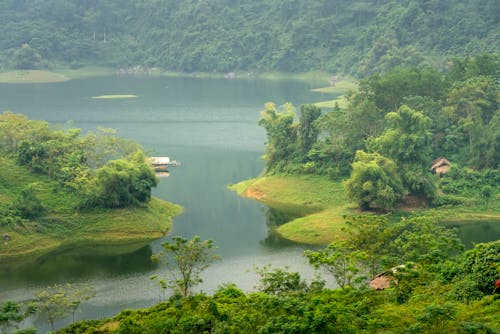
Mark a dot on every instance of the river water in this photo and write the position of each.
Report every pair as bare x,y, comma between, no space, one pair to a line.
210,126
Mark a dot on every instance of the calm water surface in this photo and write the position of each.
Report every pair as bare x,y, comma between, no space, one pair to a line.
210,126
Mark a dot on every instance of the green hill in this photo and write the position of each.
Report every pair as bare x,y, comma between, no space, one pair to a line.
57,189
62,226
355,37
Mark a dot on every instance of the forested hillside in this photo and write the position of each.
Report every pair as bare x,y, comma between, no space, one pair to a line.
392,129
342,36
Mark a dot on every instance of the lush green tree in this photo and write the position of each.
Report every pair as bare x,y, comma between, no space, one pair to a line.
122,183
407,141
281,135
27,204
435,319
187,259
16,128
26,58
426,242
279,281
340,259
308,129
113,184
374,182
12,313
462,69
387,91
471,105
479,269
373,236
61,300
364,120
491,143
32,154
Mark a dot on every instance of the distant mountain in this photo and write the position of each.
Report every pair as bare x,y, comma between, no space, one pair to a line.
356,37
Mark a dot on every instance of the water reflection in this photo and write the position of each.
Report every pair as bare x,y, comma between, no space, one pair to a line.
474,232
47,269
275,218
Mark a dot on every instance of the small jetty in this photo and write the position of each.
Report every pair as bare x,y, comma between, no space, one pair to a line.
162,164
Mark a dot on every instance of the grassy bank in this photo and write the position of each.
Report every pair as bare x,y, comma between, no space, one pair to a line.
51,76
321,205
32,76
61,226
318,200
339,88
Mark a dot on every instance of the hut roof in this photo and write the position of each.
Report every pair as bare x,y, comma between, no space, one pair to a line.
439,162
383,281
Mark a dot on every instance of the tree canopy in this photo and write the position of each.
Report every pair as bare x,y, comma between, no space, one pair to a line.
391,130
360,37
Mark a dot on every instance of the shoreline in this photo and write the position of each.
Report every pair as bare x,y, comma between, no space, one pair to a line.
64,74
103,229
321,206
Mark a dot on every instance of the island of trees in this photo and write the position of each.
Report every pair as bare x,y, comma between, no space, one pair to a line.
60,187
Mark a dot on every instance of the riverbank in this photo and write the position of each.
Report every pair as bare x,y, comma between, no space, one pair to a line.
62,226
124,229
319,202
65,74
52,76
321,206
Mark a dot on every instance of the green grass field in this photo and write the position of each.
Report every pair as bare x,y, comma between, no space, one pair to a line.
319,201
340,88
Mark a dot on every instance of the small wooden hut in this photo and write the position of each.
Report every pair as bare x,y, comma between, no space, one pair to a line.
383,281
440,166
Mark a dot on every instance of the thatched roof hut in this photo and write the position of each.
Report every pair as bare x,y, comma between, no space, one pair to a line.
383,281
440,166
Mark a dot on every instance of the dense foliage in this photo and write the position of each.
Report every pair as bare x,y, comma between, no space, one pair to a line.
391,130
96,170
435,287
359,37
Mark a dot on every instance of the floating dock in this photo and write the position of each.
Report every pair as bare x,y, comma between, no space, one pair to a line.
161,164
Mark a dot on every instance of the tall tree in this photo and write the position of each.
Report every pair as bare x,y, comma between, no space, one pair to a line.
281,135
407,141
61,300
340,259
187,259
470,107
308,129
374,182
